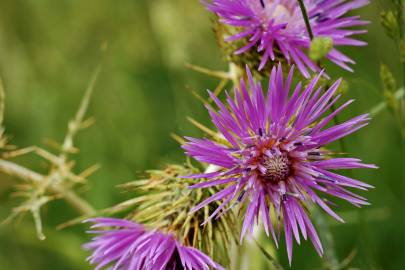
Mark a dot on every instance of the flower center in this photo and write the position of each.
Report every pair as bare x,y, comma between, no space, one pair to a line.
281,11
277,167
268,10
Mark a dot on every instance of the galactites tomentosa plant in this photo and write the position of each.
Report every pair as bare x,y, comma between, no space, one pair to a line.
268,157
263,32
158,231
273,158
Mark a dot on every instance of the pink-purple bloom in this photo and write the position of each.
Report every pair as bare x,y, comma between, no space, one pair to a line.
278,25
272,158
129,246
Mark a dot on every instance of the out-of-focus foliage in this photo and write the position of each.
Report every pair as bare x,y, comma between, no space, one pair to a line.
390,23
48,50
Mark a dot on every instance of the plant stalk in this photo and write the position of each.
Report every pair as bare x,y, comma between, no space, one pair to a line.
78,203
306,19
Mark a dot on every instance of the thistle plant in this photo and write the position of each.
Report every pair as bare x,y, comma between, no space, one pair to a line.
274,155
164,200
268,167
162,203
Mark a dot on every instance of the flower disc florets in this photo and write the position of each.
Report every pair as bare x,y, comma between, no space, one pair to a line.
271,157
270,162
266,31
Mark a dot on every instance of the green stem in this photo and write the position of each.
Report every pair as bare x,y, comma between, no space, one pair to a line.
78,203
306,19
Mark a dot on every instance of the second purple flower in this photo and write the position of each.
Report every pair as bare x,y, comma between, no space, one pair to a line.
277,28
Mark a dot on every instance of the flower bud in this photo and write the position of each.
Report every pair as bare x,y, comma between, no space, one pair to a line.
320,47
390,24
388,80
389,87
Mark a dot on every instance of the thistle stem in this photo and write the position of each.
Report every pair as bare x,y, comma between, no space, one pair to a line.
262,3
82,206
16,170
76,124
306,19
78,203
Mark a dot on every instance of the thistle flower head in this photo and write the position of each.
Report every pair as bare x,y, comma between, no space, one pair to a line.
276,29
129,246
162,204
272,157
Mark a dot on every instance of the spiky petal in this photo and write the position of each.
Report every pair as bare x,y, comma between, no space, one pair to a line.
271,26
273,159
129,246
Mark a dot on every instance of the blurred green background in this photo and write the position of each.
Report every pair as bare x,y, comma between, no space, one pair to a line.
48,50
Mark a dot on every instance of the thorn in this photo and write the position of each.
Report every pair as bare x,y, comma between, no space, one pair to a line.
202,127
212,73
196,95
177,138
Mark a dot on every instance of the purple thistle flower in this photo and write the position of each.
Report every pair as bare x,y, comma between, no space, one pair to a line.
273,158
277,26
129,246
